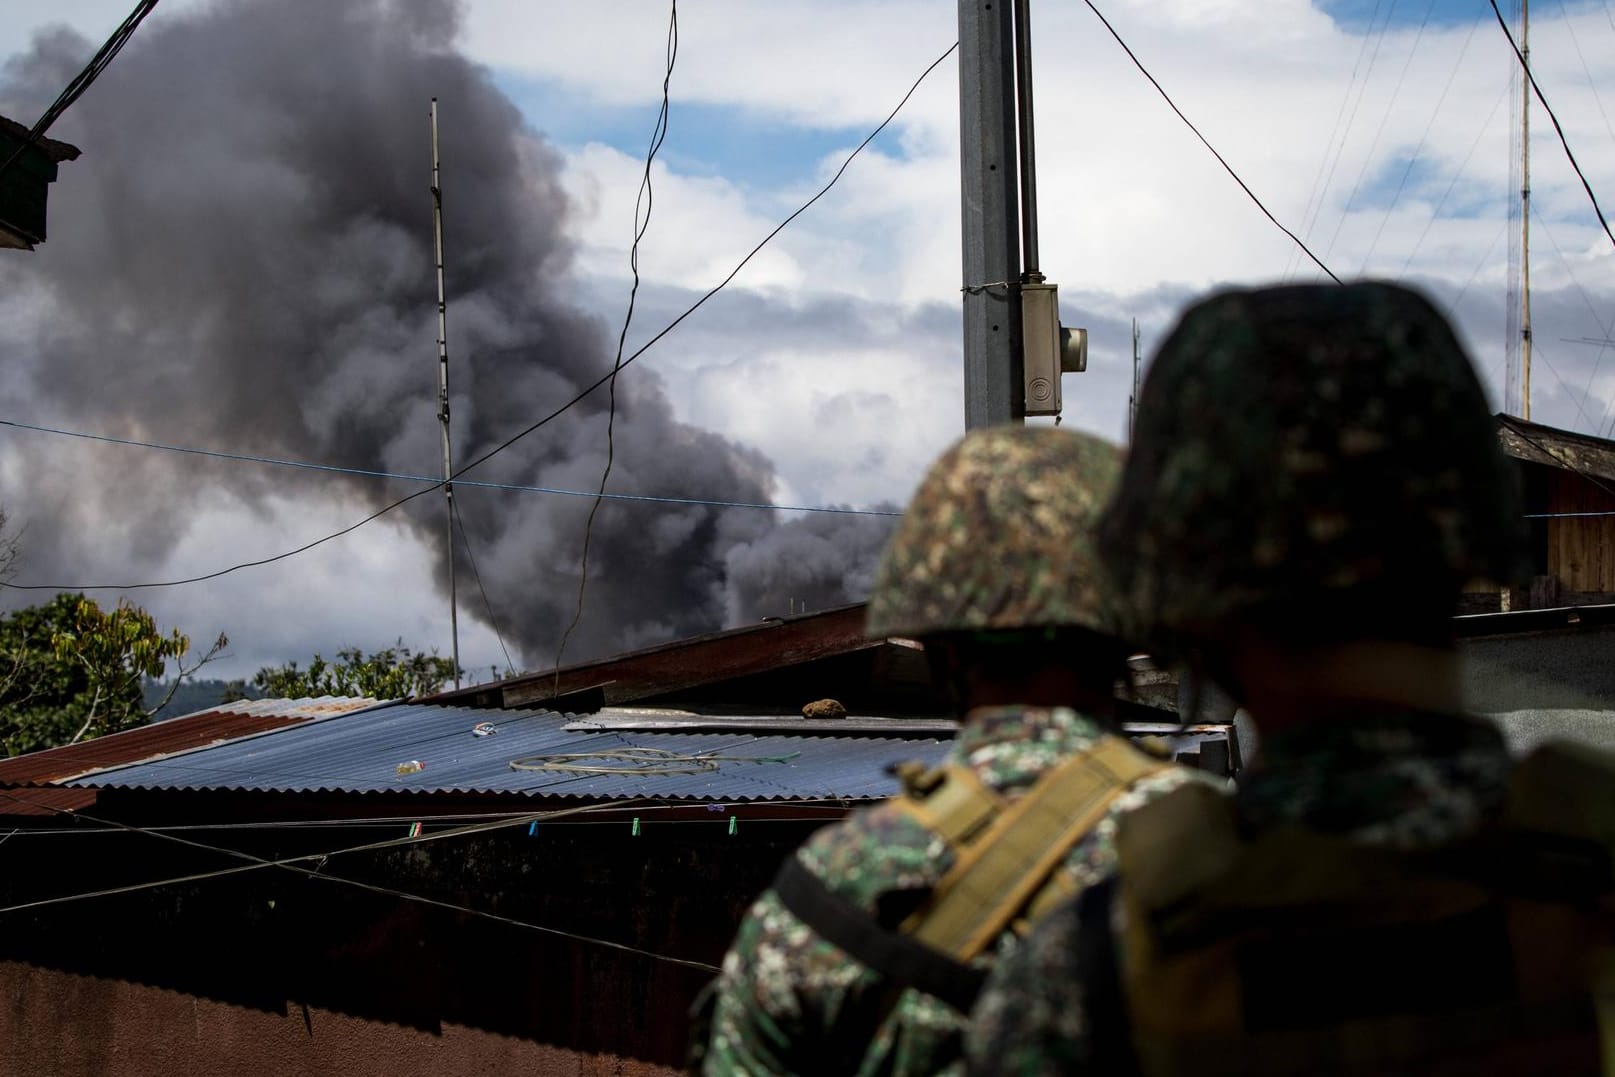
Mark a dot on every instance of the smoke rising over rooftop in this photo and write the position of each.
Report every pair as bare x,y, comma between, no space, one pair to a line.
242,260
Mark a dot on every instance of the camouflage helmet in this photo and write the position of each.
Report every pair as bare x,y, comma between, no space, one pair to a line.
1297,442
999,536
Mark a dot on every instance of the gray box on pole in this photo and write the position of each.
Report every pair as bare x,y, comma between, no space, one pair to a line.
993,377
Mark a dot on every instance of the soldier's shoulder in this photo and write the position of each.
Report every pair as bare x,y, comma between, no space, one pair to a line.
875,851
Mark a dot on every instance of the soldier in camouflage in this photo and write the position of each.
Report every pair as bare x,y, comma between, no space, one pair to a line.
992,568
1314,478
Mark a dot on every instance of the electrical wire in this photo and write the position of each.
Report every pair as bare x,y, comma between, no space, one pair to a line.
578,397
1538,353
406,477
81,82
1362,171
1586,391
1309,214
1220,160
1558,129
295,864
1418,150
1592,84
1458,174
493,620
644,197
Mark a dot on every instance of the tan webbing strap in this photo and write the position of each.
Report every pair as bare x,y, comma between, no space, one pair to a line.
1001,870
956,807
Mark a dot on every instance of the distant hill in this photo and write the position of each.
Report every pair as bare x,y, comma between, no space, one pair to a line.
195,695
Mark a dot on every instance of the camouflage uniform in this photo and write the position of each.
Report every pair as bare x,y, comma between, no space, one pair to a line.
1294,445
996,539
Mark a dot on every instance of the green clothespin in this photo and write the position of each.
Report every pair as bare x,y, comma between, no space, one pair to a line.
732,821
636,826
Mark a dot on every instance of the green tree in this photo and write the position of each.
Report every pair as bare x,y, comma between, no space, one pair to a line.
392,673
70,670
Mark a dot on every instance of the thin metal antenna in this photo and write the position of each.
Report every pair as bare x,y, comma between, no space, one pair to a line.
443,390
1132,401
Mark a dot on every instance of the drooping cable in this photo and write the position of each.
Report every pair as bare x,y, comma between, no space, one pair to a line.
1320,184
295,864
81,82
563,408
493,619
1220,160
1557,127
645,198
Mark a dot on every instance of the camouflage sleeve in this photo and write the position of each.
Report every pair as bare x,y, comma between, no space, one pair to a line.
1031,1017
780,988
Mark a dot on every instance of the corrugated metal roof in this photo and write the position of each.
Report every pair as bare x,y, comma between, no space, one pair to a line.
181,734
45,801
363,753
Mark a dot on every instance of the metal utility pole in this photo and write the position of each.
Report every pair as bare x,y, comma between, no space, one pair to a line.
443,389
1525,213
993,371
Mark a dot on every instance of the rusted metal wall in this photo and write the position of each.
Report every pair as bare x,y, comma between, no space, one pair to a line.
56,1024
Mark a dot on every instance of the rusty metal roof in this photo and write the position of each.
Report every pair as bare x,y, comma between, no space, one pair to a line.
680,665
187,733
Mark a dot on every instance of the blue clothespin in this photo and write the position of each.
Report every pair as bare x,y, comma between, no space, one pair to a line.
532,828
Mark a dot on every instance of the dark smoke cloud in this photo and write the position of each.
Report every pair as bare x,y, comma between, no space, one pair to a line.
242,259
809,563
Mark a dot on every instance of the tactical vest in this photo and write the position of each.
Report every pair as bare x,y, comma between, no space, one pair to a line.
1006,856
1294,952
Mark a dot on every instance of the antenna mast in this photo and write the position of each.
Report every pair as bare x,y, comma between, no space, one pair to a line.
1132,401
443,390
1525,214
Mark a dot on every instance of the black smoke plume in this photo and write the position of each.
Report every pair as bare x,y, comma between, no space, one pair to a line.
242,259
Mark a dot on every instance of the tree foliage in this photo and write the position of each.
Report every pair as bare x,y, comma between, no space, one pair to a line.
70,670
392,673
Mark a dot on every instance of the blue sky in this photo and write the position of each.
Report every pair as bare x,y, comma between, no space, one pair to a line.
740,143
1359,15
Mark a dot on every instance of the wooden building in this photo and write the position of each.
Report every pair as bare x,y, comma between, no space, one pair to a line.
1568,481
24,182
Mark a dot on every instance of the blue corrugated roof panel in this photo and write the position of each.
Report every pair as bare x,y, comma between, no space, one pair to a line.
375,752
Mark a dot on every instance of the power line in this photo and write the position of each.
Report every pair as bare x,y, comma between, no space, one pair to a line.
493,620
644,197
1570,271
432,484
407,477
81,82
1563,141
1226,166
1418,150
579,396
295,864
1362,171
1458,174
1309,214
